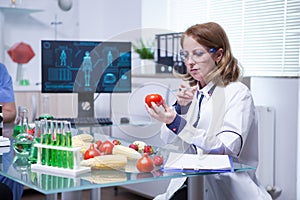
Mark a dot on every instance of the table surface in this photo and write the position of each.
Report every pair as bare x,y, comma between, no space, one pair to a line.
18,169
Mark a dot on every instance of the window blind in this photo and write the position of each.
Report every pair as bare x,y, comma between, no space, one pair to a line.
264,35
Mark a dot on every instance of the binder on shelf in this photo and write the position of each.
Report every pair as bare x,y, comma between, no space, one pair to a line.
196,162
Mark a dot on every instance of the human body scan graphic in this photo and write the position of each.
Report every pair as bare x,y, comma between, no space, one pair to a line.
63,58
87,68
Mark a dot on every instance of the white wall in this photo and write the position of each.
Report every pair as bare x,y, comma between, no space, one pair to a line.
30,22
103,20
283,95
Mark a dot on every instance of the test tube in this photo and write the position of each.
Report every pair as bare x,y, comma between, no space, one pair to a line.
53,142
50,129
69,144
36,139
64,144
59,144
43,127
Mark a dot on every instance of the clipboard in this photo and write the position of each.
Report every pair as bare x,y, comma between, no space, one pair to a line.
198,163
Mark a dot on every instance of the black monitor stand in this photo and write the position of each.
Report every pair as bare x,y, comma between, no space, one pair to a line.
85,104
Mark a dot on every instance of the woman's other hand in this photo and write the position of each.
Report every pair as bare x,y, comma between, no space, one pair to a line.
185,94
165,115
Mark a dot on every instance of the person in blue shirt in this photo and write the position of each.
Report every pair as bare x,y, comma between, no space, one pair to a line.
9,189
7,99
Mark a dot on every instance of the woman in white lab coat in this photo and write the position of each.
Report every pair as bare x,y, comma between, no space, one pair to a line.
214,114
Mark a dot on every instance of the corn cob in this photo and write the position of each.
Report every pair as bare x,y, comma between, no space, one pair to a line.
106,176
83,137
106,162
130,153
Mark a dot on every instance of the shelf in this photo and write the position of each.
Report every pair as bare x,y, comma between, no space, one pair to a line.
156,75
27,88
19,10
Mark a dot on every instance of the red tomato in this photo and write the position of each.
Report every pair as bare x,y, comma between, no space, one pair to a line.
156,98
158,160
98,143
91,152
106,147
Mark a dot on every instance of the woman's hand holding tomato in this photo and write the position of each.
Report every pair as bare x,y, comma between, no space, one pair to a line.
165,115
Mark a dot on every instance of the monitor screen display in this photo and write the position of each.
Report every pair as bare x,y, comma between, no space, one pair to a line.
85,66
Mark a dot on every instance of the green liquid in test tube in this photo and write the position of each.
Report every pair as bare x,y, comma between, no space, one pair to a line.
43,124
64,152
53,142
59,144
48,142
68,135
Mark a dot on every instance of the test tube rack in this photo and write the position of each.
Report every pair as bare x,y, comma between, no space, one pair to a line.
77,169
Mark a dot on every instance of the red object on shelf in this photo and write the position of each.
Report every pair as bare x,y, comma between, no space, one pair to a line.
21,53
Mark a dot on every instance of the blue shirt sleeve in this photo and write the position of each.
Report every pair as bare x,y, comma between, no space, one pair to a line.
181,110
6,86
177,125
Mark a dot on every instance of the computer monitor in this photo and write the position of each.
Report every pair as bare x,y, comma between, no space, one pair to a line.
85,67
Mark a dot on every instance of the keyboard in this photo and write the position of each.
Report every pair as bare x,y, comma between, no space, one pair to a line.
87,121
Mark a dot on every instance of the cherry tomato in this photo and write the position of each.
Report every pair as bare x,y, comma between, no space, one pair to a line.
158,160
106,147
156,98
116,142
91,152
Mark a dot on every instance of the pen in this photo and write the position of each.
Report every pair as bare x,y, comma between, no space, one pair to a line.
183,89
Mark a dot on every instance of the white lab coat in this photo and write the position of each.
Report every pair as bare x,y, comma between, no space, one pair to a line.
227,125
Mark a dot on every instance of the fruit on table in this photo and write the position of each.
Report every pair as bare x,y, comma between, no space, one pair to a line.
84,144
145,163
106,147
106,162
148,149
158,160
98,143
156,98
140,145
116,142
134,146
130,153
91,152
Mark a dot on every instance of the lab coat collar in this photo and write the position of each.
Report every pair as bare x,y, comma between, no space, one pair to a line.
208,90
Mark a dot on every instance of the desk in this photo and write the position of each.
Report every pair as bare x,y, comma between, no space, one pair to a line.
16,168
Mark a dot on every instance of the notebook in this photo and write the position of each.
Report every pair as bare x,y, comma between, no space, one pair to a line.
195,162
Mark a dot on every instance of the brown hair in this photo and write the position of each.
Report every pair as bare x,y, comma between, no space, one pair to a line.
212,35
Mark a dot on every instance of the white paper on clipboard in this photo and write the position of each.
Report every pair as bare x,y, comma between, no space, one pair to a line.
196,162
